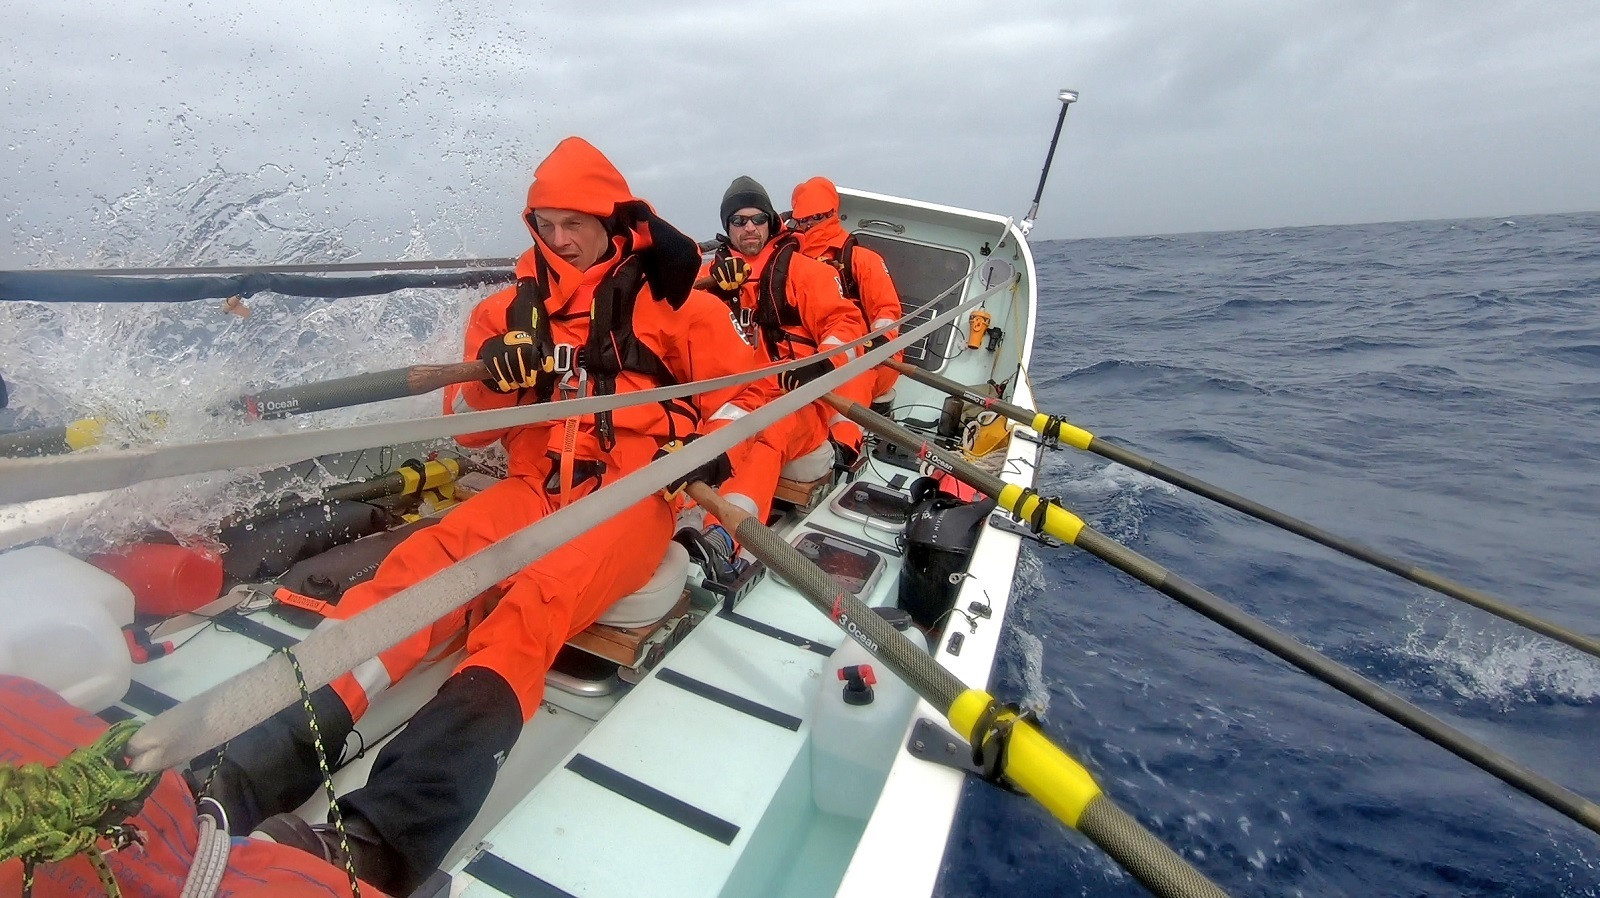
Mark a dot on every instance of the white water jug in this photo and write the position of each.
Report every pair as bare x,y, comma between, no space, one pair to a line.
853,745
61,623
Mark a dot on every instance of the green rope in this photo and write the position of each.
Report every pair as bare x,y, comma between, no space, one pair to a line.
334,815
50,814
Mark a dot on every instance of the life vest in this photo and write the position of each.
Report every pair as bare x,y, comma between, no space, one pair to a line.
777,319
612,346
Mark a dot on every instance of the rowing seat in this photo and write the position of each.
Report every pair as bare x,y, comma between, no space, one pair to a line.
804,481
645,621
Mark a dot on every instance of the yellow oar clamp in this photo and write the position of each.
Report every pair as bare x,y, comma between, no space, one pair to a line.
1052,431
991,736
1035,519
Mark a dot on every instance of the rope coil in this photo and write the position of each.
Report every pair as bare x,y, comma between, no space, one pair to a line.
50,814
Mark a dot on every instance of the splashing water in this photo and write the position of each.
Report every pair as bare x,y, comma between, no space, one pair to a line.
1490,666
152,371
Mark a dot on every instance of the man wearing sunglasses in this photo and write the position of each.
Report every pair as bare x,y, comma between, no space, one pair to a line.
792,307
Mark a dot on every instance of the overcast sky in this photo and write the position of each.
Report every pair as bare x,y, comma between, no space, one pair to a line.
414,126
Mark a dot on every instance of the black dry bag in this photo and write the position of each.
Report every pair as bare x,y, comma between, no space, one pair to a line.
940,535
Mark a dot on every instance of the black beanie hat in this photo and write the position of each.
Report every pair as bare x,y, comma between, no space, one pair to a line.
744,193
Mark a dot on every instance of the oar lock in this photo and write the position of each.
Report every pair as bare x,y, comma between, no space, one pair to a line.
991,738
1036,518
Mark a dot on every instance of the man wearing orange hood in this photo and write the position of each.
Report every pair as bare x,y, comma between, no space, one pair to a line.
863,276
603,304
792,307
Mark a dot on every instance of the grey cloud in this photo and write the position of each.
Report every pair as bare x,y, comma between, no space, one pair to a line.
401,117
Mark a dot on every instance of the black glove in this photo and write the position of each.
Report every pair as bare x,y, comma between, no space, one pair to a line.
844,455
875,342
727,275
515,363
712,473
796,378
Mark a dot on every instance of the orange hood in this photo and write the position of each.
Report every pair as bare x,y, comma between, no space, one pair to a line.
816,197
579,177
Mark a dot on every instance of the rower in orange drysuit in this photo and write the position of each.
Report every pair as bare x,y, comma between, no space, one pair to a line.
862,273
565,329
791,307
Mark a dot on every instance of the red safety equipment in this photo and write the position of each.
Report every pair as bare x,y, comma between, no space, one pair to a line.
165,579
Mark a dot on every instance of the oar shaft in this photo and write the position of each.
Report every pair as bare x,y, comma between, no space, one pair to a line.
279,402
1033,762
1069,528
79,434
1342,678
359,389
1082,439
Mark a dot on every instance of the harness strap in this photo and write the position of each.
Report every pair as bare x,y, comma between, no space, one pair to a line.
775,315
845,261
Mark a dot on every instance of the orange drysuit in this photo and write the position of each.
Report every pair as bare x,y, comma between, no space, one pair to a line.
553,463
873,289
815,317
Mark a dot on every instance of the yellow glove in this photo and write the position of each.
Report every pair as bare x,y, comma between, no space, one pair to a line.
727,275
515,363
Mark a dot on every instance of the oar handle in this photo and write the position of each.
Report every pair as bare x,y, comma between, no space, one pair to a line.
376,386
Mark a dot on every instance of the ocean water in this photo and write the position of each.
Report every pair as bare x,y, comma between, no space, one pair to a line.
1429,388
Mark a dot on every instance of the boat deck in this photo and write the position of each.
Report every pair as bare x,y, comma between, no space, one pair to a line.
713,807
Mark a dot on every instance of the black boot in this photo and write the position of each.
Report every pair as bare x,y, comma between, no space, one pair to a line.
430,780
272,767
371,858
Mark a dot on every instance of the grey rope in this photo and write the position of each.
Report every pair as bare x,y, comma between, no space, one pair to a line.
210,860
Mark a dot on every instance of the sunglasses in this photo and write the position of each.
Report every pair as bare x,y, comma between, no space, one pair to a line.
811,221
739,221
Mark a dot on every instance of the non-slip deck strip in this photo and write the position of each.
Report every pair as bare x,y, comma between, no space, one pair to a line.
270,637
728,699
674,809
147,700
508,879
781,635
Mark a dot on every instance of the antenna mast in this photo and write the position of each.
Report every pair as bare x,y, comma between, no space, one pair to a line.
1067,98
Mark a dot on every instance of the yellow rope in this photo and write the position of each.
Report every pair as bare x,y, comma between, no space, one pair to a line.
50,814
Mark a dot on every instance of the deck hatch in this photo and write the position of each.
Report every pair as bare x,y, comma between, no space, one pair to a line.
675,809
728,699
507,878
922,271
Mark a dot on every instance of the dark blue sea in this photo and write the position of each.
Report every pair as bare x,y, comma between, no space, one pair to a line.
1431,389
